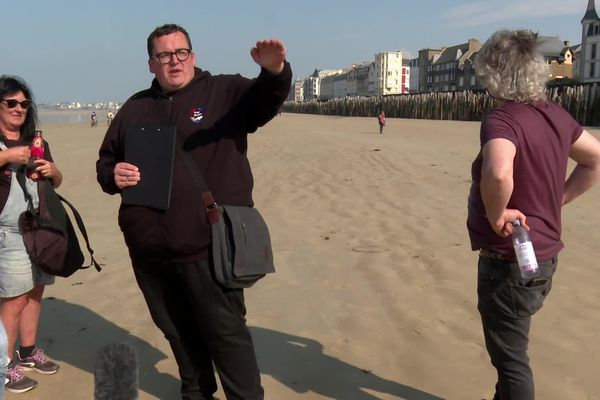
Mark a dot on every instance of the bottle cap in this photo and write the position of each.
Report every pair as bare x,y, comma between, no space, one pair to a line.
516,222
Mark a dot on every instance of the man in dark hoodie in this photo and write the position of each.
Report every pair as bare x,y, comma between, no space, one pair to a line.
203,322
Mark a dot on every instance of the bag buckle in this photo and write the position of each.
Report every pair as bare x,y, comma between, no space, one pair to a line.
212,210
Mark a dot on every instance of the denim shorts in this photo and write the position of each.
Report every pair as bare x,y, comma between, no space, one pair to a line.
17,274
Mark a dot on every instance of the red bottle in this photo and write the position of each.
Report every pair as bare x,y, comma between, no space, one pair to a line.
37,153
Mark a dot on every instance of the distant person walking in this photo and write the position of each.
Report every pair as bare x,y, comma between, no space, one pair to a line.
94,119
381,120
519,174
109,118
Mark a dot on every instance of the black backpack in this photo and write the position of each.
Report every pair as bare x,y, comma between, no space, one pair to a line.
48,233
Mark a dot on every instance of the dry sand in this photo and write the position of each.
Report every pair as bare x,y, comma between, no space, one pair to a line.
374,297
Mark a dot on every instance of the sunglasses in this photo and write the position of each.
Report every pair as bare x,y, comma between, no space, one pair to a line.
12,103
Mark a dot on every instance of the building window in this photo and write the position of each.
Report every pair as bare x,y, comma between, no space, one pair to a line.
592,70
594,51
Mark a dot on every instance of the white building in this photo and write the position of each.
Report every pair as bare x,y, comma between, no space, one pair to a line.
387,73
589,62
299,90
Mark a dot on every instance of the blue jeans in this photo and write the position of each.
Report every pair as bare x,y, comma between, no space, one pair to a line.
506,304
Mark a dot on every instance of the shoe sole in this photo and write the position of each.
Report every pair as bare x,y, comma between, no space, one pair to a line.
20,390
39,371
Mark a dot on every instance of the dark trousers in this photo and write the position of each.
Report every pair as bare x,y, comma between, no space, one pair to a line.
204,324
506,304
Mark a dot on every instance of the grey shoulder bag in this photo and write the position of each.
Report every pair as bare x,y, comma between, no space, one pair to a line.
241,245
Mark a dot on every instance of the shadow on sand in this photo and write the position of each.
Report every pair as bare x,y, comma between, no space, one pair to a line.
300,364
73,334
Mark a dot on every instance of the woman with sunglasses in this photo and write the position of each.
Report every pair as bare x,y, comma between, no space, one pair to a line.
21,283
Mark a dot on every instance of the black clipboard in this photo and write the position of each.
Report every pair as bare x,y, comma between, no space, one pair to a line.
152,150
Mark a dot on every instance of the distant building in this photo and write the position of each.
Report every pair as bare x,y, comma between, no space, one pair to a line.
387,73
311,86
414,75
558,56
299,90
576,54
589,63
405,77
445,72
426,58
326,84
340,83
466,77
358,79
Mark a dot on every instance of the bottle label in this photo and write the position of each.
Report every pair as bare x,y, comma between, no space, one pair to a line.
526,257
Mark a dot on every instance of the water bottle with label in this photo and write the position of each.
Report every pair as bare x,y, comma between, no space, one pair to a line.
524,251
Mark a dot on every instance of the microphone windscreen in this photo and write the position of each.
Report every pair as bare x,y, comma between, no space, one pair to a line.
116,373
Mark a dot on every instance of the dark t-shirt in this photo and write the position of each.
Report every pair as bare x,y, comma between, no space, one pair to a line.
5,176
542,133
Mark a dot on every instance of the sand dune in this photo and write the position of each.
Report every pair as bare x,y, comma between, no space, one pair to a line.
374,297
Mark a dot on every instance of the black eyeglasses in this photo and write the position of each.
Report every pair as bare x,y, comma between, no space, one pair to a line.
12,103
166,56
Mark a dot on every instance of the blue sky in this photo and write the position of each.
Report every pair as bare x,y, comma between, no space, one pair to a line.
73,50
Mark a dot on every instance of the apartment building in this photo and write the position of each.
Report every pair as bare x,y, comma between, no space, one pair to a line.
589,63
445,73
299,90
312,86
413,82
558,56
329,83
358,79
386,73
426,58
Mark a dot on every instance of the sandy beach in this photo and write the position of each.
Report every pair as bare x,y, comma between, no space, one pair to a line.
375,291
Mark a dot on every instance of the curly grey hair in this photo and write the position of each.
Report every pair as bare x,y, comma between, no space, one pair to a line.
510,67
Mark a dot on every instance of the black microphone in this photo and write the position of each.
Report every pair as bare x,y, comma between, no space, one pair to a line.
116,373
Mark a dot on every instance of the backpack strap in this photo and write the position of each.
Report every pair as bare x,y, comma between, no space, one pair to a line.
83,231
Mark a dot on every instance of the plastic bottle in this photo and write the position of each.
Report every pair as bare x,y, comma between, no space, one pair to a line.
37,153
524,251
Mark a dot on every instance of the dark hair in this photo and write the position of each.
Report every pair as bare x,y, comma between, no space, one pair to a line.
12,84
166,29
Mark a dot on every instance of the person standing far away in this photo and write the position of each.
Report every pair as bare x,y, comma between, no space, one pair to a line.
170,249
109,117
21,282
94,119
519,174
381,120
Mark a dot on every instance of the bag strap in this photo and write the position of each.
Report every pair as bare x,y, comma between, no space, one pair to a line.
21,180
83,231
207,198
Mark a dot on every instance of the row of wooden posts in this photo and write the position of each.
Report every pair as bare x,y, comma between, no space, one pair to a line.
582,101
